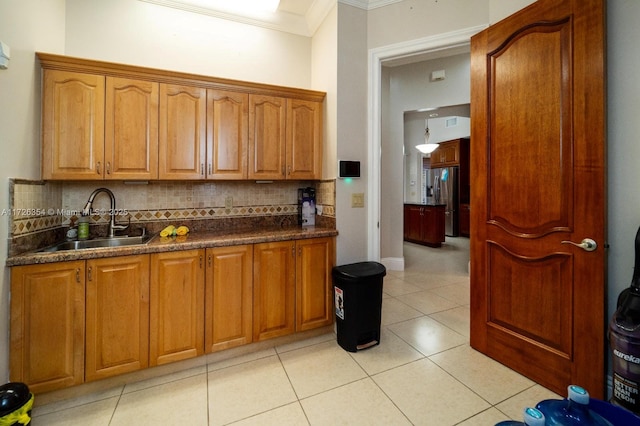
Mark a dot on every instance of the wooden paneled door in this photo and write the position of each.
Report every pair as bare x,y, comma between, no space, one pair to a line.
538,183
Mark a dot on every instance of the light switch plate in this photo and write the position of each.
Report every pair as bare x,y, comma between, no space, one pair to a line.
228,202
357,199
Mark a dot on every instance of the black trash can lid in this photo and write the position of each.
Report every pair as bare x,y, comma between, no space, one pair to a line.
13,395
360,270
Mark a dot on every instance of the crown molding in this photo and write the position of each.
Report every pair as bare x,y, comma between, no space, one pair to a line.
369,4
279,21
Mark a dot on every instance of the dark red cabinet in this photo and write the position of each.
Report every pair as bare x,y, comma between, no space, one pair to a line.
424,224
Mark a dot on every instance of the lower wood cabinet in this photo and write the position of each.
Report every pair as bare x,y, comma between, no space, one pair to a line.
117,316
314,288
79,321
229,297
292,286
47,325
274,289
176,323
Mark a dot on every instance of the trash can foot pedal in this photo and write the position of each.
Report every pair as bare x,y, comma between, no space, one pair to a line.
367,345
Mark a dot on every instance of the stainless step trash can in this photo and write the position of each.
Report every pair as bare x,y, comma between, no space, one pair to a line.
358,302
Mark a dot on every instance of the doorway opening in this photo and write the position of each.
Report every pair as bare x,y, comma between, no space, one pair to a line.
385,231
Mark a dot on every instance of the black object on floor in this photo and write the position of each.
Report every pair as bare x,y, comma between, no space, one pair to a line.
358,303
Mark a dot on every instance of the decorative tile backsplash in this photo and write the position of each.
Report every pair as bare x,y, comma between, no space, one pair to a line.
38,206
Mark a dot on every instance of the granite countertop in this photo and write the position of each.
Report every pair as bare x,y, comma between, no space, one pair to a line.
187,242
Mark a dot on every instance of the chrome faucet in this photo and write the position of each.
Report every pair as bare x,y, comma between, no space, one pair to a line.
112,223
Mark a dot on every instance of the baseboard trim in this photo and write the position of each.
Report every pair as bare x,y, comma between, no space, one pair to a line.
393,263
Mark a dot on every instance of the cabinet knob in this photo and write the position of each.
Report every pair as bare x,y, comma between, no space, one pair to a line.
108,167
98,168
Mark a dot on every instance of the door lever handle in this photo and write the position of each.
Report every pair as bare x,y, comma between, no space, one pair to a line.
587,244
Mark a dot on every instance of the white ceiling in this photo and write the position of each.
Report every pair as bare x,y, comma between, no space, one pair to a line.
301,17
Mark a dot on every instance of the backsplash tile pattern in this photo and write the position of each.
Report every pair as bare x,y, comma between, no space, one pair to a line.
38,206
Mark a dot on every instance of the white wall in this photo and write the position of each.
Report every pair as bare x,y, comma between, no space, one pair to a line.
26,26
324,77
412,20
352,132
139,33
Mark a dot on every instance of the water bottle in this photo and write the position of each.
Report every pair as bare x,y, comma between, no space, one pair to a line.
573,411
624,339
532,417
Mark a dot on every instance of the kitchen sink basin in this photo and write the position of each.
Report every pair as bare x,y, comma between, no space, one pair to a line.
101,242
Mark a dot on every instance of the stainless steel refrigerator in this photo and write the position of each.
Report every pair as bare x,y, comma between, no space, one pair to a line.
441,187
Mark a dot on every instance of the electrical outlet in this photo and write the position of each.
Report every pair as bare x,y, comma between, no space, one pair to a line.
228,202
357,199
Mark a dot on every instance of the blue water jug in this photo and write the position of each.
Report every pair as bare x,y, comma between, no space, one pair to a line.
532,417
573,411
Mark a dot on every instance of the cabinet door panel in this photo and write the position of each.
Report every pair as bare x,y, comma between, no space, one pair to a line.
227,134
72,125
229,297
117,330
273,290
304,139
47,325
131,129
176,324
267,137
314,289
183,111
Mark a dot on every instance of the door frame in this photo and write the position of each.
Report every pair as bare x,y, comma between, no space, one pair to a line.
376,57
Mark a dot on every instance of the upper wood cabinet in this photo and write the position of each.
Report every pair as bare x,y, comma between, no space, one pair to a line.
97,127
304,139
47,325
183,129
131,129
447,154
72,125
227,134
267,137
285,138
112,121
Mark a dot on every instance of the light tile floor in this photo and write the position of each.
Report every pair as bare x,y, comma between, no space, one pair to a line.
423,372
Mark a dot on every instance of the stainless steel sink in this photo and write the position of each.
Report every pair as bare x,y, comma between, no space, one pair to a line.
97,243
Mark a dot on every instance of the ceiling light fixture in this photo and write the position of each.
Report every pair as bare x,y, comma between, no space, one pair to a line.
426,147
